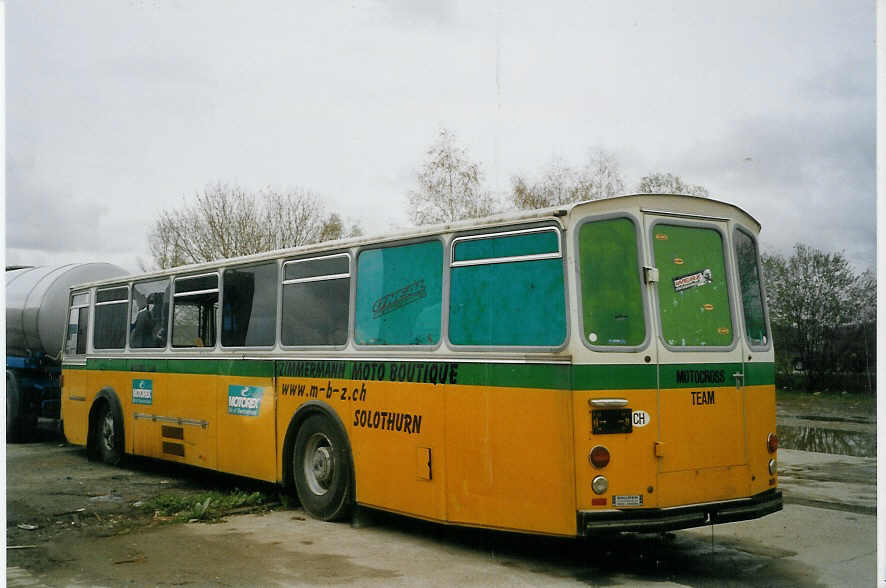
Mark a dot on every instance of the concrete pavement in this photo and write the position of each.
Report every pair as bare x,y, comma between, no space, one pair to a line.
826,480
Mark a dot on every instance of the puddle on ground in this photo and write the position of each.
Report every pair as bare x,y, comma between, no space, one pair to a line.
839,419
819,440
685,559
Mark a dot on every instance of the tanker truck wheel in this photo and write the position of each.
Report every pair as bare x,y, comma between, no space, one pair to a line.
13,422
20,425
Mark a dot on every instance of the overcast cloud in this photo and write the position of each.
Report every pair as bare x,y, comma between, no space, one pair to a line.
116,110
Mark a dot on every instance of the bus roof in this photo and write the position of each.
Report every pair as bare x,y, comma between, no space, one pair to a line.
694,204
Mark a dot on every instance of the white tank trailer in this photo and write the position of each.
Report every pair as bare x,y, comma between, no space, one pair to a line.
36,317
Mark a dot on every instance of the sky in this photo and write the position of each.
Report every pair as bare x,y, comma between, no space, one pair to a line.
117,110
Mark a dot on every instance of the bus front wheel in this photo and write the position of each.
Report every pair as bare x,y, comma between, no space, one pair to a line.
108,437
321,468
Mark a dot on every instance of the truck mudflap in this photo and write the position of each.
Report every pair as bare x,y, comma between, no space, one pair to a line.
656,520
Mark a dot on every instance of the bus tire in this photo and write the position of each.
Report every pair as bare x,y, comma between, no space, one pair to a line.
321,468
105,439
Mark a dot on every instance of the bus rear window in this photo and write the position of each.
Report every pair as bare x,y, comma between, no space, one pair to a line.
693,295
611,284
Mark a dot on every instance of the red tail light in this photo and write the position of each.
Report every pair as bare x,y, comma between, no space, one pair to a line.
599,457
772,442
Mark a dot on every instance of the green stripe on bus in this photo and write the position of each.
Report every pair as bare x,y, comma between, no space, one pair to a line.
759,374
515,375
246,368
105,364
614,377
227,367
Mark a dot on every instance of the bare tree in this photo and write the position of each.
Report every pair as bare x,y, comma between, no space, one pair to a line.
667,183
227,221
559,183
450,186
817,303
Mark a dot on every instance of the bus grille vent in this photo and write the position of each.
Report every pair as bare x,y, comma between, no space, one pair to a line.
174,448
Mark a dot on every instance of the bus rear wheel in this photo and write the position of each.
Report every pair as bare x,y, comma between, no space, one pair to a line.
321,468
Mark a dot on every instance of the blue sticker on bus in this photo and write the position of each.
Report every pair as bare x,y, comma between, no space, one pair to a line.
245,400
142,391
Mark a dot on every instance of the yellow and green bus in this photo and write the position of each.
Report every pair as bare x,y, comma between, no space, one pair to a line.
605,366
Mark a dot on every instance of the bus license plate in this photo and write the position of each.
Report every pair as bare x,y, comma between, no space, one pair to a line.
630,500
611,421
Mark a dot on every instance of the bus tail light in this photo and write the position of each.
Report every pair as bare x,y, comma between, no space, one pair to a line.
773,467
599,457
772,442
600,484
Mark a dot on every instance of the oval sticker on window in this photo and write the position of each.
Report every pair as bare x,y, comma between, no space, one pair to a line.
661,237
640,418
678,260
723,331
709,307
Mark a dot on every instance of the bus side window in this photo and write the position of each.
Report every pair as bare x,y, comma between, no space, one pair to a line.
249,306
109,331
78,323
316,296
399,295
149,314
507,289
193,311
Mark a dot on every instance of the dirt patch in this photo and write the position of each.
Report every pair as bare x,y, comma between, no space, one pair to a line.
157,557
55,497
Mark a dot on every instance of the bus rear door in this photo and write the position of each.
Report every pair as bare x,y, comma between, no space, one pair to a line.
701,426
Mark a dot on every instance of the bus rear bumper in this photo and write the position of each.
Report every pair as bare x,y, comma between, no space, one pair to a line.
681,517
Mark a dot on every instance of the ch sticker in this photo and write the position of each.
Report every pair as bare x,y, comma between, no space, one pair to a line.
640,418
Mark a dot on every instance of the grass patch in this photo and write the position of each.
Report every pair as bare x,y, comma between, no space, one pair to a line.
206,506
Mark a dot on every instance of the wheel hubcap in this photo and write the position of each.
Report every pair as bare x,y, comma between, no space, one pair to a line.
108,432
319,463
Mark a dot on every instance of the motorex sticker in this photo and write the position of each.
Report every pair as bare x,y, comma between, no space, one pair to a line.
693,280
142,391
245,400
